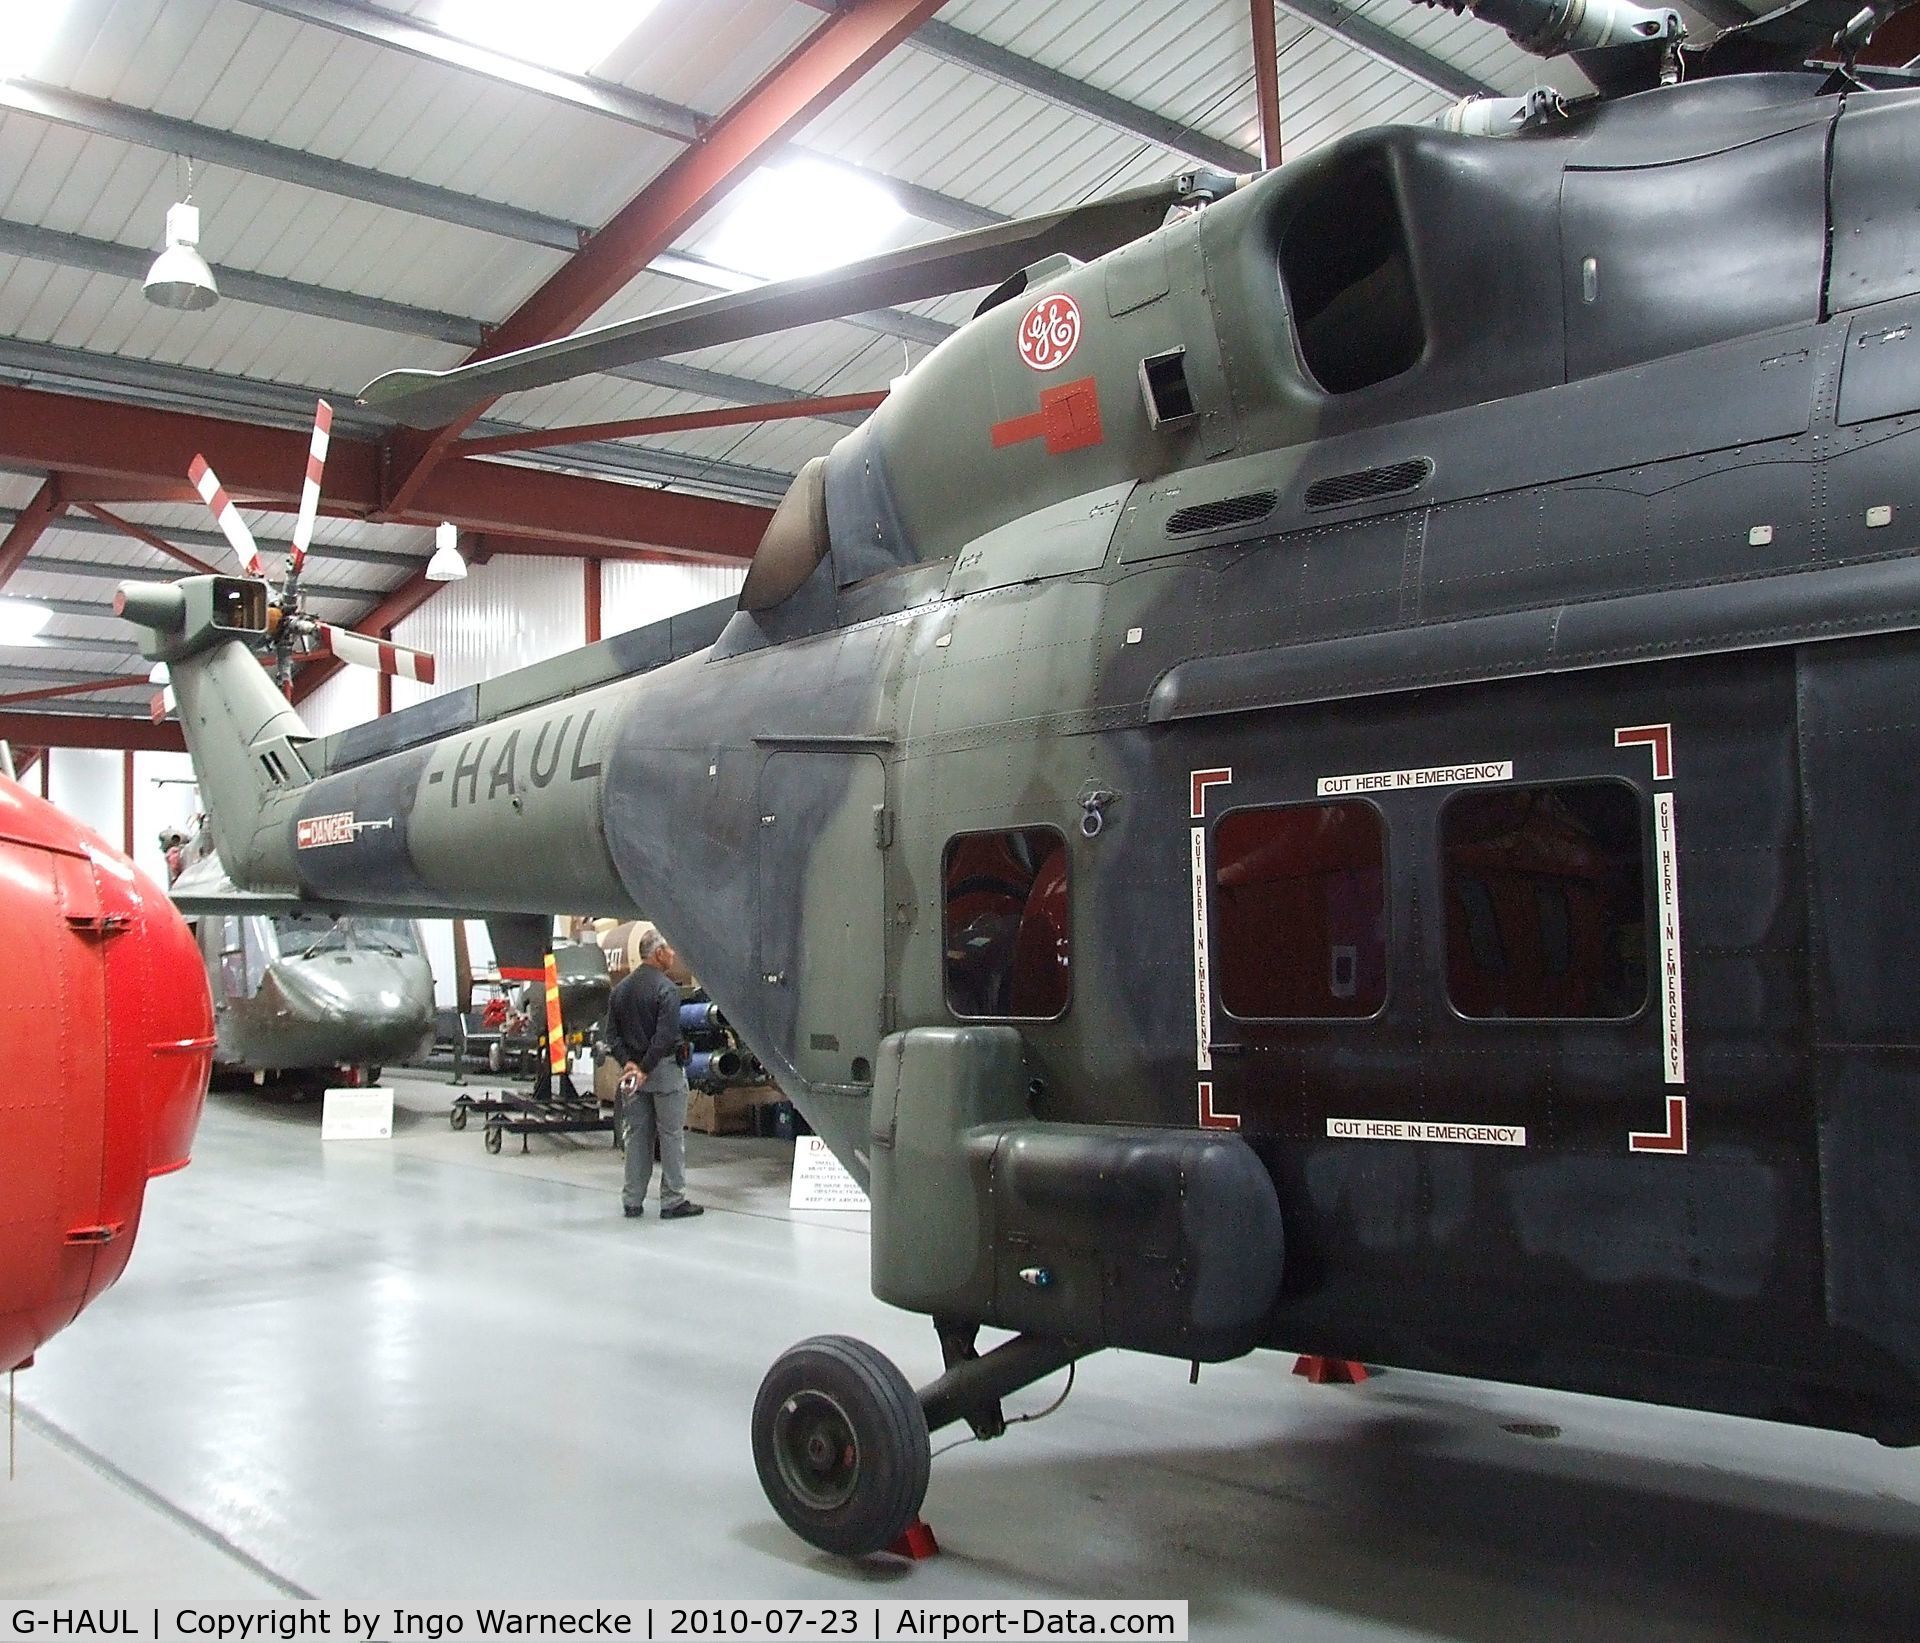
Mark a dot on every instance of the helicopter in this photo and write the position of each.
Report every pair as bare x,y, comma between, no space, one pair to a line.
1329,773
109,1054
301,998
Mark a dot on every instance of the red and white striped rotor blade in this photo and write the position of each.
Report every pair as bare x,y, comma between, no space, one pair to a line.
310,487
363,651
226,515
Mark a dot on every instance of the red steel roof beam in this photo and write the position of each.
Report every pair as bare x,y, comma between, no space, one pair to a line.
91,730
84,687
141,534
1266,81
91,439
48,503
828,61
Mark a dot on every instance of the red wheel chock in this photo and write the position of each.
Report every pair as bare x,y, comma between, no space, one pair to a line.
1320,1371
917,1542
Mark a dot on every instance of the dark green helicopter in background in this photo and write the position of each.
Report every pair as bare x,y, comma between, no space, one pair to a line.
1332,772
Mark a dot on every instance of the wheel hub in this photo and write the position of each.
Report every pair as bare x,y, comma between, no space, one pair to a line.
815,1449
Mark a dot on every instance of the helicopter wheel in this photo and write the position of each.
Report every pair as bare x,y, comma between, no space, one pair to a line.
457,1116
493,1138
496,1057
840,1443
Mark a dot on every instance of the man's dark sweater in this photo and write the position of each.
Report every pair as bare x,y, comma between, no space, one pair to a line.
643,1019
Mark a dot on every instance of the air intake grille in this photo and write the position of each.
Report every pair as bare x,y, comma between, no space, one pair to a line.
1369,483
1217,516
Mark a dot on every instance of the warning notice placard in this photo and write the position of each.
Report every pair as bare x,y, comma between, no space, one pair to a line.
820,1181
1439,775
1416,1129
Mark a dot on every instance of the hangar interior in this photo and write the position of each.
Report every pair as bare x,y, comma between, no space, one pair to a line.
416,1368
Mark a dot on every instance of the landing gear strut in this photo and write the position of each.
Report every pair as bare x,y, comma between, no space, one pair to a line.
840,1438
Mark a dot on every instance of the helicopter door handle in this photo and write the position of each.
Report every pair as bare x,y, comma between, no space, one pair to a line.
1228,1049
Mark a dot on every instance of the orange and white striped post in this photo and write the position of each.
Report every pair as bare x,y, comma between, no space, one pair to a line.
556,1039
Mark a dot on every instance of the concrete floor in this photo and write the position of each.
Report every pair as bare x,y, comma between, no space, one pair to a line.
410,1370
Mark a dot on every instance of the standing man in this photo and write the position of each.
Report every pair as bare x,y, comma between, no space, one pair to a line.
643,1032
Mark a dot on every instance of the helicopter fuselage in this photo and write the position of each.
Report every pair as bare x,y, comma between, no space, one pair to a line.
1432,705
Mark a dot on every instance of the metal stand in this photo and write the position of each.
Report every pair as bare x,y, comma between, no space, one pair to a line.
544,1110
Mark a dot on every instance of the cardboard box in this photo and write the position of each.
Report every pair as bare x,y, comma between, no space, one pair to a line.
730,1112
606,1081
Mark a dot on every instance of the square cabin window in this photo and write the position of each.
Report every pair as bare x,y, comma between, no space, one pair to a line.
1008,925
1545,891
1301,911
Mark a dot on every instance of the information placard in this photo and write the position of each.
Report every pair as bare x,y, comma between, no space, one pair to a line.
357,1115
820,1181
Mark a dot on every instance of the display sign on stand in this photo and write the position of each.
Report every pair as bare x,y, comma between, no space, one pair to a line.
357,1115
820,1181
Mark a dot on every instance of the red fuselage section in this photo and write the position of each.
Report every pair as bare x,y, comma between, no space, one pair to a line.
106,1031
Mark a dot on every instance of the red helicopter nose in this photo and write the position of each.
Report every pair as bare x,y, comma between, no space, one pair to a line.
108,1032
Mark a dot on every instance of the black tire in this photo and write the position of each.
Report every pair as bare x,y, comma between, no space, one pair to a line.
493,1138
840,1443
457,1115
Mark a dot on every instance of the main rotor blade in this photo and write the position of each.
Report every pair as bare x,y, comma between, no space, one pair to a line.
982,256
226,515
310,487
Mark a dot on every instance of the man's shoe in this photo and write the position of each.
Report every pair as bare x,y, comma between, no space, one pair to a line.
682,1210
634,1211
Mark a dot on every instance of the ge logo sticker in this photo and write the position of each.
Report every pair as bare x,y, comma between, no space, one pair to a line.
1050,332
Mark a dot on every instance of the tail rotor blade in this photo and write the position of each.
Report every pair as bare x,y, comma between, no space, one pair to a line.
226,515
310,489
361,650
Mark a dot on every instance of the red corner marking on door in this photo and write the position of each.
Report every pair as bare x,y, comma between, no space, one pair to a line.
1659,738
1068,419
1209,1118
1672,1139
1200,781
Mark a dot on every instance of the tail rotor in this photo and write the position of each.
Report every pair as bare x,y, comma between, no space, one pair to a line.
293,633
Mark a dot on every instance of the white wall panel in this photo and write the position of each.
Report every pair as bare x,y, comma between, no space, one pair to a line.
350,697
164,795
506,614
631,595
85,782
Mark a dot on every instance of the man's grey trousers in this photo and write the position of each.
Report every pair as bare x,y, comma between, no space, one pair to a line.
658,1107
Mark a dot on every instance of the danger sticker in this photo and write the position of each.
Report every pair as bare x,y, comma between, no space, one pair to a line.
1408,1129
313,832
1439,775
1050,332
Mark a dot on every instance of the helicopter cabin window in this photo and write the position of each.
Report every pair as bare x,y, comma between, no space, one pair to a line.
1008,930
1301,911
1350,282
1545,894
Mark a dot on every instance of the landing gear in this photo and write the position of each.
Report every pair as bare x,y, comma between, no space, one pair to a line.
841,1445
840,1439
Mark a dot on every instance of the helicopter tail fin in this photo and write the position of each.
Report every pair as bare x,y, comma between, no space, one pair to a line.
243,736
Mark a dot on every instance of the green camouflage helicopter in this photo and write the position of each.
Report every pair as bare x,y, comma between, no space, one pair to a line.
1330,773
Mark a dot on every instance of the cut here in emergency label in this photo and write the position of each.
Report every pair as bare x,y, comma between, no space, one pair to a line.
1411,1129
1439,775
